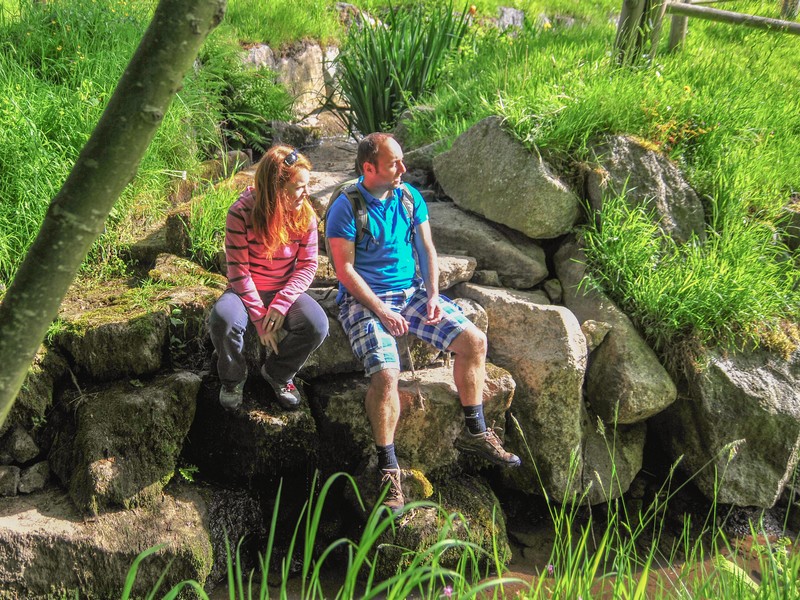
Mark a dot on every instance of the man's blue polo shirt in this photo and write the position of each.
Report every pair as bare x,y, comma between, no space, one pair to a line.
384,259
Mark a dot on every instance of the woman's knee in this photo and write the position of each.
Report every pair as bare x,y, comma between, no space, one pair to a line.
222,325
314,323
320,326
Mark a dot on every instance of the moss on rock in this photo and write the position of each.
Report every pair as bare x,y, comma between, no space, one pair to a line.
467,511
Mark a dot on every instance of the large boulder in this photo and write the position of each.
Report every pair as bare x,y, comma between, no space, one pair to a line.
489,172
738,426
612,457
300,68
430,419
545,350
188,304
454,269
118,445
625,382
518,264
649,179
334,162
48,550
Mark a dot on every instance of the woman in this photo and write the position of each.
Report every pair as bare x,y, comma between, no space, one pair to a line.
271,251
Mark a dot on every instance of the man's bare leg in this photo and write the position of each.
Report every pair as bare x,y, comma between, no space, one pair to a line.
469,365
383,405
383,411
469,373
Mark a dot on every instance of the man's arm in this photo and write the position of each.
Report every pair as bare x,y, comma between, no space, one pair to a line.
429,267
343,257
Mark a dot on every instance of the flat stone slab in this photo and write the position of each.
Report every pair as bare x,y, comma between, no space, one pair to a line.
48,550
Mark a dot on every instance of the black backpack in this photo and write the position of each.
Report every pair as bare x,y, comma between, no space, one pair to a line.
359,206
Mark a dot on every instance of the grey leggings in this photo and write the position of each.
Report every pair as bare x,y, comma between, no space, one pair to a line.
306,325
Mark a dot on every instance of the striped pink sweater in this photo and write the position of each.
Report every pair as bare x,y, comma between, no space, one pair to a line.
291,269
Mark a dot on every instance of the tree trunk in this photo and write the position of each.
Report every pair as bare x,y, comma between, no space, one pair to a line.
628,31
108,161
657,18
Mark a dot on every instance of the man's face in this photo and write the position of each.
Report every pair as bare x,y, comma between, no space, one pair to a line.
387,173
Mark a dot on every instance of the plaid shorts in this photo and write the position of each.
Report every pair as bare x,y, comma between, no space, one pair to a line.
376,347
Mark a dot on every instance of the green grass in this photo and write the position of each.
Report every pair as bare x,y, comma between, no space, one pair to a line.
207,230
59,65
280,23
425,577
725,109
623,549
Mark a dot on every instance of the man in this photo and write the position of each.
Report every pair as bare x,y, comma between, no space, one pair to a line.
381,298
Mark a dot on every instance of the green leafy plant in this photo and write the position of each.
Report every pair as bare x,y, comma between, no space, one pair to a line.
188,472
387,66
254,99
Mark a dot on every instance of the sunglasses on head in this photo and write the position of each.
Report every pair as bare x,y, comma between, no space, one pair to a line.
291,158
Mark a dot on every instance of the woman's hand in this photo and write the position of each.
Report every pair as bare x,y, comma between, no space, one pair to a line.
272,323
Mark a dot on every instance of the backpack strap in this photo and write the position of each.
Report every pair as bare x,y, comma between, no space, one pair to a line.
359,206
408,203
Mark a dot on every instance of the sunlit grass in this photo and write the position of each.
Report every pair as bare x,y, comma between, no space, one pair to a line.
725,109
207,224
279,23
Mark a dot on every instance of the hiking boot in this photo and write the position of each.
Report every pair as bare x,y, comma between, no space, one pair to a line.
394,499
230,397
286,393
486,445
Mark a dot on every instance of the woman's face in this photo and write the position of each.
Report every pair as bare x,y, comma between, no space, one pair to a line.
296,189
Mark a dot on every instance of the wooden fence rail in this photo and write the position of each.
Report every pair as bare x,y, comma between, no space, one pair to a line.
640,22
726,16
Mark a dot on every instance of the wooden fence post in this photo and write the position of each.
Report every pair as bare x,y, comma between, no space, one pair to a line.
627,42
790,8
677,30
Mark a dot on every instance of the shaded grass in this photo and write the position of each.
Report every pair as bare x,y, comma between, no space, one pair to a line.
620,550
207,230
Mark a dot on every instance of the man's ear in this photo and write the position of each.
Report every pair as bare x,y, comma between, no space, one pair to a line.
368,168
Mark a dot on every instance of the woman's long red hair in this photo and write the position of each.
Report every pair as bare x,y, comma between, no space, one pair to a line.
273,224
